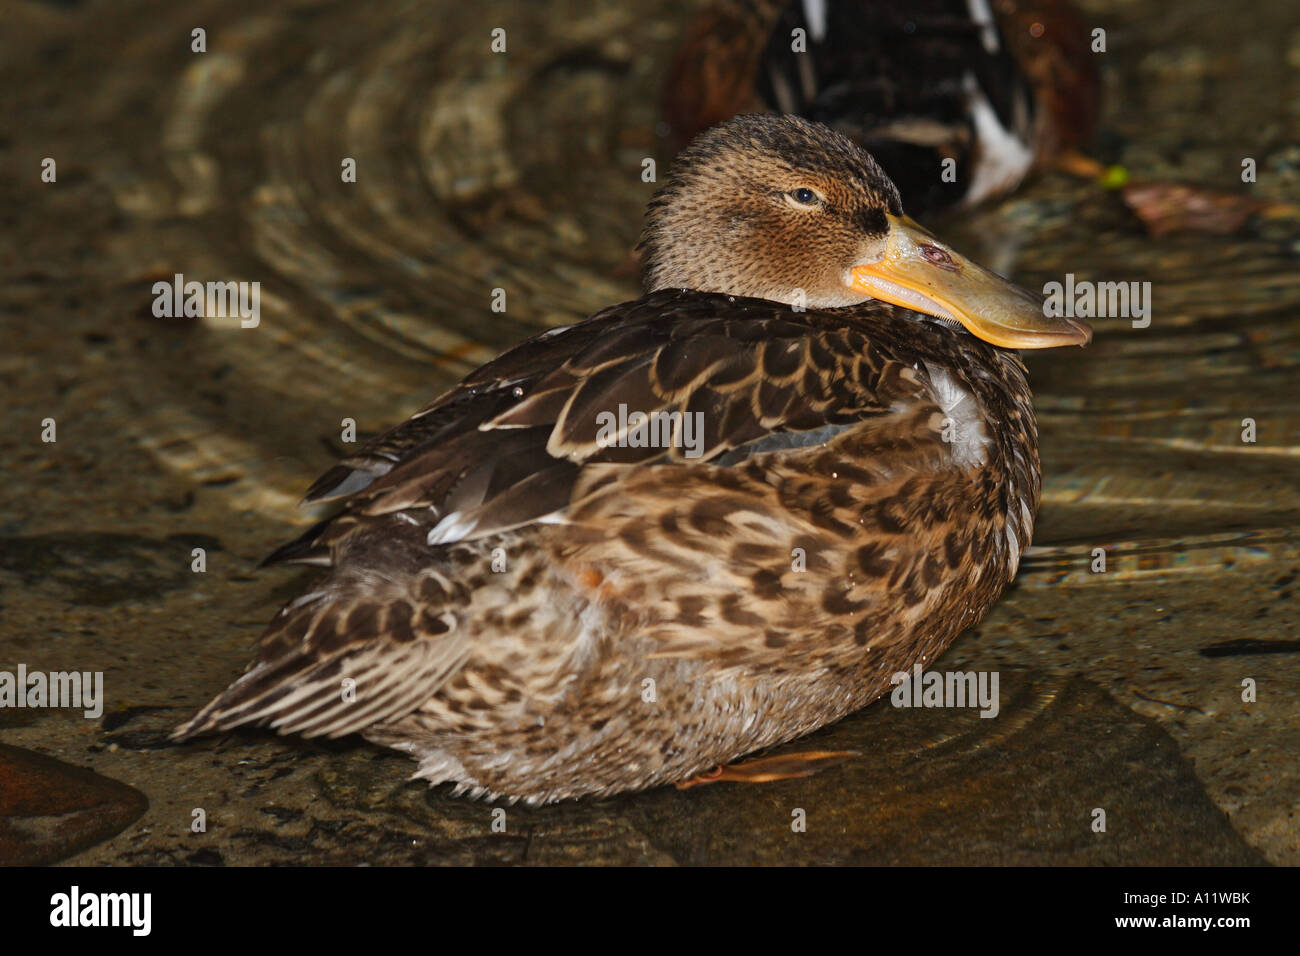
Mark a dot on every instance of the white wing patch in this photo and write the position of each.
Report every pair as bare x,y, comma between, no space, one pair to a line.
983,17
453,527
964,425
814,11
459,526
1001,158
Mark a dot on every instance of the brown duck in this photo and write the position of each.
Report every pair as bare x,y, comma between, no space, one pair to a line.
695,525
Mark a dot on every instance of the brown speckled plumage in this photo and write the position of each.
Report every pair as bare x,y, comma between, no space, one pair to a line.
592,619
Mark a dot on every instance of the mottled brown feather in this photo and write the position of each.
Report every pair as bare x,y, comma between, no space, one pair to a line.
532,613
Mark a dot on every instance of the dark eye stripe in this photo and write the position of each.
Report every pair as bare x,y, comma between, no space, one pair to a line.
873,222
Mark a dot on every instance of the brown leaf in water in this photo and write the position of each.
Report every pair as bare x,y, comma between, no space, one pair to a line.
1167,208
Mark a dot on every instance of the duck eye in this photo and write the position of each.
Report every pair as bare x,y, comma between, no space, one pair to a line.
936,255
804,196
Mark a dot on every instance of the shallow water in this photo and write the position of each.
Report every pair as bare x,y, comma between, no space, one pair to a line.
522,172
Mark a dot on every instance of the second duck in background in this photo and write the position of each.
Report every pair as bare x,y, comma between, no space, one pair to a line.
958,100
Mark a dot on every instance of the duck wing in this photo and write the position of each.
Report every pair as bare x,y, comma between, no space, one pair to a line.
515,445
715,377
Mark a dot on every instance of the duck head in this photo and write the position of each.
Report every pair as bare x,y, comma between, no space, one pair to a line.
781,208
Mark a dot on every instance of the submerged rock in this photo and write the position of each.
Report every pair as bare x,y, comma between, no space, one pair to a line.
50,810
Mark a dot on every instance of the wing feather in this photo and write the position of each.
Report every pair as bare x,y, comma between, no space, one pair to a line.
519,442
505,447
350,657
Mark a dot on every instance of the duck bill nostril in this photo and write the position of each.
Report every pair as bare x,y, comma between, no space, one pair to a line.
918,273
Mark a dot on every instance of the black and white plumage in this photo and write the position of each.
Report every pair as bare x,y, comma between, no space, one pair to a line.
958,100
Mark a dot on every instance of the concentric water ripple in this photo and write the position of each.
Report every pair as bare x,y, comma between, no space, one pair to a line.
521,170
